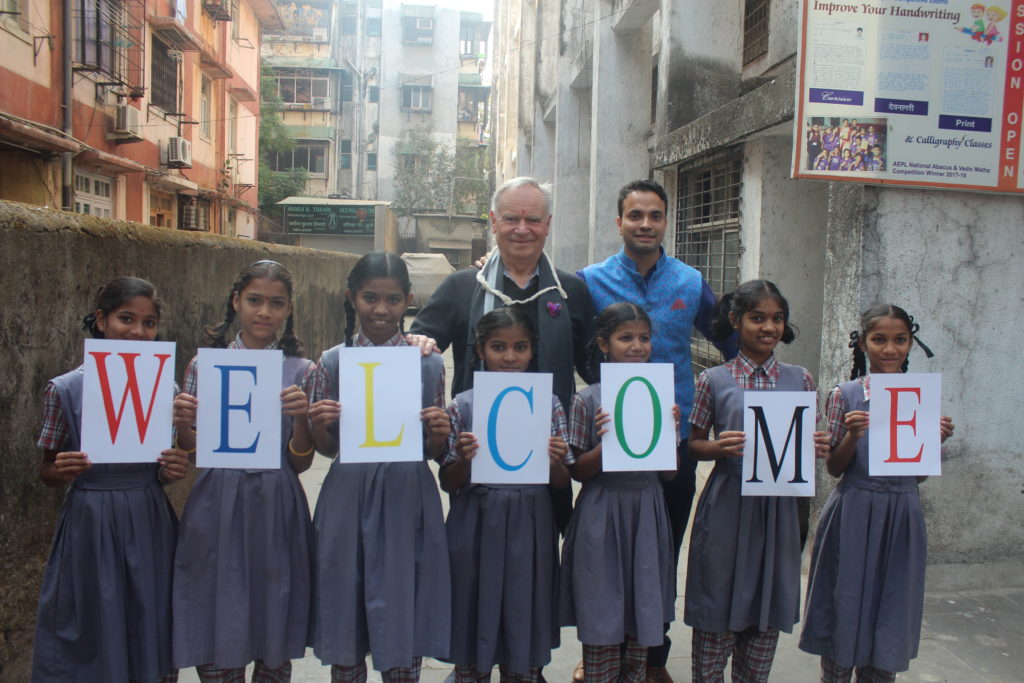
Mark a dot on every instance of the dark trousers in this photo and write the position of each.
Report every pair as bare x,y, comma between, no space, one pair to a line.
678,498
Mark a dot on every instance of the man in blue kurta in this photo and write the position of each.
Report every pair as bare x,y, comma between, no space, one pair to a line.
677,299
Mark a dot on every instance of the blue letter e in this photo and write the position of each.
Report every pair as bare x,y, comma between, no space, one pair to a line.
226,406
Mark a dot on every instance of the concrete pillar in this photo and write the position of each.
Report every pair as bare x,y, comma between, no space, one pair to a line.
783,240
620,94
700,59
569,240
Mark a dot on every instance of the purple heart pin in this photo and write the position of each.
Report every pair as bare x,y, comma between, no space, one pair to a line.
554,308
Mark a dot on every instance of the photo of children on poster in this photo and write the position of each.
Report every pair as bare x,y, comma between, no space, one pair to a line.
915,92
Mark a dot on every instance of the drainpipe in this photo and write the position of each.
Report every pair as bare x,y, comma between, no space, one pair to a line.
67,190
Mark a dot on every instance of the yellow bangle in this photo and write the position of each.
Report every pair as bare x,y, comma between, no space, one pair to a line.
188,452
291,449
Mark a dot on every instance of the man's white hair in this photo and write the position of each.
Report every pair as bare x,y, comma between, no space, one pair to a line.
523,181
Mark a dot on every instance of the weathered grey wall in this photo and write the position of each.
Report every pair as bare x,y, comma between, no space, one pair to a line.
51,265
953,260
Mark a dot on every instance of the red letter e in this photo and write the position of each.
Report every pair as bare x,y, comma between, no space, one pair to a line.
894,424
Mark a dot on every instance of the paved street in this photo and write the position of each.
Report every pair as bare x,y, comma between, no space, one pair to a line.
968,637
973,637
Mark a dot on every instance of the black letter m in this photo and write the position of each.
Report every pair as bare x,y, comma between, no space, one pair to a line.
761,429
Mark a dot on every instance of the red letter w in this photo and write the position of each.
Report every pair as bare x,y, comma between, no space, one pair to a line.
131,387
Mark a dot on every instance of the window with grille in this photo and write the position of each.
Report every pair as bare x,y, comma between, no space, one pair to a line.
346,86
417,31
109,39
708,230
161,209
467,40
755,29
346,154
303,87
307,154
373,26
416,97
205,107
232,127
164,83
94,195
16,12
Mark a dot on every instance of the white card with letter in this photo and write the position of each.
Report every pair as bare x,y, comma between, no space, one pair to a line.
381,390
238,424
904,436
512,424
127,399
778,454
641,432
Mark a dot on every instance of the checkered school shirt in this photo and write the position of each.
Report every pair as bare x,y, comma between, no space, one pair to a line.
54,434
580,420
748,375
835,411
191,384
558,428
318,386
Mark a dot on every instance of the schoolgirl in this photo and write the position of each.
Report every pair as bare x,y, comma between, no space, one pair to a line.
502,538
834,160
243,566
846,163
382,578
105,604
821,163
743,577
617,581
865,595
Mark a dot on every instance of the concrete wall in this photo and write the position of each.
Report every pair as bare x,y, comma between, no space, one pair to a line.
51,265
783,241
952,260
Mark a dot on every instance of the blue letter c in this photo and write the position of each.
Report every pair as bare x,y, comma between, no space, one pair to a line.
492,428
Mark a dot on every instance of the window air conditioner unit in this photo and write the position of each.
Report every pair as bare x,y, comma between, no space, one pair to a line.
424,24
219,10
179,153
126,123
320,34
321,103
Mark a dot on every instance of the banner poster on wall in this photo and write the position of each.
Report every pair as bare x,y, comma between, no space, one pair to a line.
926,93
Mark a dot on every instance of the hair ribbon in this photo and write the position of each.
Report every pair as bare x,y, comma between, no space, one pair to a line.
914,327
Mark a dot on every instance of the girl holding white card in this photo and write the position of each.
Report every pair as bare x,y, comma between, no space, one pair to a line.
502,537
105,604
382,579
743,576
865,595
244,561
617,582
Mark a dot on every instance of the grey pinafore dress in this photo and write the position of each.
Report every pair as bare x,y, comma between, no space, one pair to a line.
744,563
617,576
504,557
865,595
105,604
382,579
243,572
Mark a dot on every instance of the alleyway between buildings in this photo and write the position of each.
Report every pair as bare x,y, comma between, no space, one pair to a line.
975,637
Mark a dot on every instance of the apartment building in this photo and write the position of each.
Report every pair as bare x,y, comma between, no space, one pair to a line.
355,74
143,110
